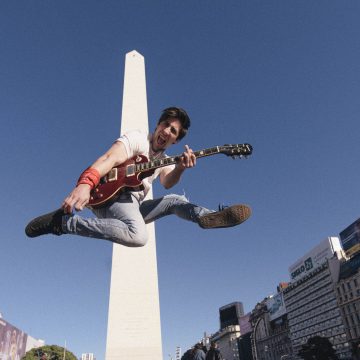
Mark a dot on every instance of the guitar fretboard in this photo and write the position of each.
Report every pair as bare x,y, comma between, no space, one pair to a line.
158,163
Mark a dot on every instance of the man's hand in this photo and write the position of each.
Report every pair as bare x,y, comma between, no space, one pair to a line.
169,178
187,159
77,199
80,196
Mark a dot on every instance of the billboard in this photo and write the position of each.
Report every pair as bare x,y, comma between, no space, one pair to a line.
314,258
350,238
12,342
276,306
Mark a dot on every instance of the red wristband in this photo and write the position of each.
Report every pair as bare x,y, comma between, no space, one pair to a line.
90,177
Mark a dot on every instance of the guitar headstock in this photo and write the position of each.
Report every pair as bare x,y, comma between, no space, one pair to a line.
234,150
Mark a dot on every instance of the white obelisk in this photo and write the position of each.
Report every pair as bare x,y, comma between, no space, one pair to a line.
134,330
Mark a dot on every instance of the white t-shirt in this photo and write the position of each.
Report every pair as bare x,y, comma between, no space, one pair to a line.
138,143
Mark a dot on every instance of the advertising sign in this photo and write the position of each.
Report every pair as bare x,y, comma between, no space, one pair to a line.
350,238
12,342
314,258
276,306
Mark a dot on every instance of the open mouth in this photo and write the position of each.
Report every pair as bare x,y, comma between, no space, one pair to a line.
161,141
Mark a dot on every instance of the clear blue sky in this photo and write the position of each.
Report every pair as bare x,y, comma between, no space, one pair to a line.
281,75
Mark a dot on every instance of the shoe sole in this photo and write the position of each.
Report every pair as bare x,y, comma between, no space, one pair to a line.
231,216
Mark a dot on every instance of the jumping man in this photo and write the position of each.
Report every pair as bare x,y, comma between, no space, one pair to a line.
123,218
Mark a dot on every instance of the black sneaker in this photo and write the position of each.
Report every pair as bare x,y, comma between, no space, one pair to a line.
227,217
50,223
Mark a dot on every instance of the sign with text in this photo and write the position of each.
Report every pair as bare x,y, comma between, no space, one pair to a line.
315,257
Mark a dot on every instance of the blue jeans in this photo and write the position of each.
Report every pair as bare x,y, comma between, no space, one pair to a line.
123,221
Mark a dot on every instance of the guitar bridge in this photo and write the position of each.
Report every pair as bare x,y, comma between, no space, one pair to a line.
112,175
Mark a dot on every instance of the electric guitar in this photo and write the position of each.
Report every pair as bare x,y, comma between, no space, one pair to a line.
131,173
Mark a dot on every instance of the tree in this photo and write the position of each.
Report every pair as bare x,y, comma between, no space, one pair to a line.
318,348
48,352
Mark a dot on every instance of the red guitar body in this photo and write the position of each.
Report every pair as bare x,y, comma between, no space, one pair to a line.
118,179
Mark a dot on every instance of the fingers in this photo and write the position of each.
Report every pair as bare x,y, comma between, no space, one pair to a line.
188,158
70,204
77,199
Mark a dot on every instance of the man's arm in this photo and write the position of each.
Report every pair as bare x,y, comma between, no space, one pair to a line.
80,196
170,177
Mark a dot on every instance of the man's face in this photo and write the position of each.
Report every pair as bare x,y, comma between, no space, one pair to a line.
166,134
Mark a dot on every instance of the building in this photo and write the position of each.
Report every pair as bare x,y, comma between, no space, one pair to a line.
270,338
227,340
244,341
310,299
348,296
178,353
230,317
230,314
244,346
88,356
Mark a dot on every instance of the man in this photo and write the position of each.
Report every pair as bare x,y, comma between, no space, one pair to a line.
214,352
122,220
198,353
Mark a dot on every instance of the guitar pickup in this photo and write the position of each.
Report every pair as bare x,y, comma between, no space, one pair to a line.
112,175
130,170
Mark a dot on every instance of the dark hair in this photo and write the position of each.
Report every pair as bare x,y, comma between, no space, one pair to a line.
176,113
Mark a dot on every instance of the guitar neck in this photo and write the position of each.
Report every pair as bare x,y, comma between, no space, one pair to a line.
158,163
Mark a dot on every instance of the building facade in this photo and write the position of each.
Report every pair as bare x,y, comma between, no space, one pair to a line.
244,346
312,309
227,340
231,314
88,356
348,296
270,338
